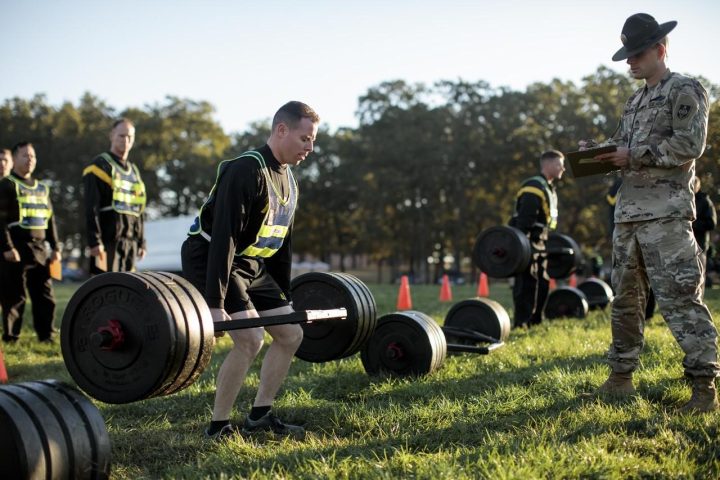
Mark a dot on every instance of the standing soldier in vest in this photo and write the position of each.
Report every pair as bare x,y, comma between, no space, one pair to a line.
6,162
26,224
536,214
662,132
114,203
238,254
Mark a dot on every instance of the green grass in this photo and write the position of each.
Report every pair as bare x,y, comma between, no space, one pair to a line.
517,413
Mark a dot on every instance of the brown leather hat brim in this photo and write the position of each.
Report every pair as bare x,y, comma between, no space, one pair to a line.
663,30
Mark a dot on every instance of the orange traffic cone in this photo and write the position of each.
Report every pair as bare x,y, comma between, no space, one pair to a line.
404,302
573,281
445,292
483,288
553,284
3,371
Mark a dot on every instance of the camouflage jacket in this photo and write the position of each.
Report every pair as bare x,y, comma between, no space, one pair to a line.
665,127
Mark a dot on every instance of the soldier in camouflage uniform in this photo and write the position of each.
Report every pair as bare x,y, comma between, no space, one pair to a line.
662,132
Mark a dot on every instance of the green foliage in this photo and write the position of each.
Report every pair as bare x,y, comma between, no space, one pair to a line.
425,171
517,413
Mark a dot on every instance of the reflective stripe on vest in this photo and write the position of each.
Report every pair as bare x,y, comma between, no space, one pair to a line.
547,197
33,204
278,212
129,196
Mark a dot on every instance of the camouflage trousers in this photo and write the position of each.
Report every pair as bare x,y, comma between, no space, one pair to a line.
661,254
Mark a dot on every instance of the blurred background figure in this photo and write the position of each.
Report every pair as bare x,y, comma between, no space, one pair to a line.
705,222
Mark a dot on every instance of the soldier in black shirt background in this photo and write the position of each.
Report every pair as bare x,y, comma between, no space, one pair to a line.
114,203
26,223
6,162
536,214
705,221
238,254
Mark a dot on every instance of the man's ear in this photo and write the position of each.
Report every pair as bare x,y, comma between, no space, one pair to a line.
282,129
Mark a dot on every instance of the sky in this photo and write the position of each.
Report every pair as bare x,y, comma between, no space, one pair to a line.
247,58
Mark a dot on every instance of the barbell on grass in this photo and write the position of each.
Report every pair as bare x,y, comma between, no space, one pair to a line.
131,336
411,343
503,251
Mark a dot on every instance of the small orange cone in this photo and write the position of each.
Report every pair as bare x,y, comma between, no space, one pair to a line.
553,284
445,292
404,302
3,371
483,288
573,281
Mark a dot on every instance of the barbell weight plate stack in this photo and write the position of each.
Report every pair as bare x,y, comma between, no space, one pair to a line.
562,265
407,343
480,315
332,340
502,251
598,293
50,430
194,321
566,302
150,353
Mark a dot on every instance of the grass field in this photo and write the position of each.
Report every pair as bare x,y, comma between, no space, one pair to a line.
517,413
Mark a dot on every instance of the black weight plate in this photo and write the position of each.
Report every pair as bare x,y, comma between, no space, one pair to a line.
136,369
201,333
180,323
566,302
407,343
502,251
82,426
334,339
562,265
598,293
479,315
90,427
368,311
23,453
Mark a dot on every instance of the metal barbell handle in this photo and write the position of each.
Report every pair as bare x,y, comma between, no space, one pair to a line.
302,316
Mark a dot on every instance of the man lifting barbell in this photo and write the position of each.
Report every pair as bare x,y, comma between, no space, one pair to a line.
238,254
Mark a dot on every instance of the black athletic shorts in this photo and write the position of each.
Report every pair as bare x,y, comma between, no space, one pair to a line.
249,286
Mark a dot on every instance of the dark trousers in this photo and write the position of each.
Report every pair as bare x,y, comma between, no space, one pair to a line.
530,292
120,256
16,277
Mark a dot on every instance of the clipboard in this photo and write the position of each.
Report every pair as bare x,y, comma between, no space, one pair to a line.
583,164
55,268
98,264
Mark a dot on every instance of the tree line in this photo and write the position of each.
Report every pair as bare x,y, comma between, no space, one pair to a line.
426,169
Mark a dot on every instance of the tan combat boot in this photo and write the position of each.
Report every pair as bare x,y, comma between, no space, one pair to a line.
704,396
618,385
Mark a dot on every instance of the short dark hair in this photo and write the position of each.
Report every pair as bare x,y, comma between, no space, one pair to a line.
292,112
20,145
5,150
120,121
551,155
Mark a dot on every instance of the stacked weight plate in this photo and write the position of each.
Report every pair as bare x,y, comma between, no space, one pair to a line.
49,430
167,336
481,315
332,340
566,302
404,344
598,293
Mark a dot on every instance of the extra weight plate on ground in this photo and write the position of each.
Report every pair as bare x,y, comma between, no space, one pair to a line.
49,430
147,358
598,293
564,256
332,340
407,343
480,315
566,302
502,251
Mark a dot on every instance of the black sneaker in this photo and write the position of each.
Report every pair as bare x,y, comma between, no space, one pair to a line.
271,423
224,433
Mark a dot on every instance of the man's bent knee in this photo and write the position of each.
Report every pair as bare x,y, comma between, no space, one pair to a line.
249,340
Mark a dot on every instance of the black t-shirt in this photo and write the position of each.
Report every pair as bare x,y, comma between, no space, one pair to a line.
233,216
